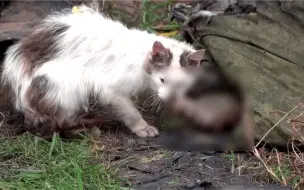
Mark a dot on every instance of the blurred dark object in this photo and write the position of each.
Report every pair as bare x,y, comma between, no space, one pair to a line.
181,139
265,40
212,104
251,187
210,116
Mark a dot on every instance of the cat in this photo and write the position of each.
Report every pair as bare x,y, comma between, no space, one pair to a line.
72,57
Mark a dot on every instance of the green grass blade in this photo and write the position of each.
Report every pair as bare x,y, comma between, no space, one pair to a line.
78,173
54,139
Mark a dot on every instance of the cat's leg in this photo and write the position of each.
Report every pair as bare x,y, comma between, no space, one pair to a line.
124,109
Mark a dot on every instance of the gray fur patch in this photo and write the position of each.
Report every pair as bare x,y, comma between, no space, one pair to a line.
41,46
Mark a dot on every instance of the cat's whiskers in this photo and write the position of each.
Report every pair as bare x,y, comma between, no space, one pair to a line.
154,100
153,96
157,103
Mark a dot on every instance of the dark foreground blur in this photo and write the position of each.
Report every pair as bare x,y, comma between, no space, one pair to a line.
210,114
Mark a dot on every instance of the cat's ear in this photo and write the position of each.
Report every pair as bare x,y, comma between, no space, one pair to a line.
195,58
158,48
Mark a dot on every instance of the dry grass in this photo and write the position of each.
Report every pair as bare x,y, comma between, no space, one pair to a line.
285,168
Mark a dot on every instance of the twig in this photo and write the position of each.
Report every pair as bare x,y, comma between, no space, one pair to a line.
293,149
258,120
297,184
276,125
257,154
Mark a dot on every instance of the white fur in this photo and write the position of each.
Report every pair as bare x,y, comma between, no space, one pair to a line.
178,81
207,13
97,55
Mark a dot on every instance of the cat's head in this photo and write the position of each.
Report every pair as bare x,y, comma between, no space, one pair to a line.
161,59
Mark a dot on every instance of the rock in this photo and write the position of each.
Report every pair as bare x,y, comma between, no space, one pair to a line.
141,142
190,185
154,184
185,159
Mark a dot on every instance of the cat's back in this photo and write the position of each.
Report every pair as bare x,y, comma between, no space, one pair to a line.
87,22
88,32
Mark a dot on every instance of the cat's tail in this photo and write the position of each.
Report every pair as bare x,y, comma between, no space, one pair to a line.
14,76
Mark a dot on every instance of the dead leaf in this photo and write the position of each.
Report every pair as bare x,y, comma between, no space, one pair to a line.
168,34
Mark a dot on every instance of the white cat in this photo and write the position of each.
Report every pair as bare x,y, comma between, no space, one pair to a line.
72,57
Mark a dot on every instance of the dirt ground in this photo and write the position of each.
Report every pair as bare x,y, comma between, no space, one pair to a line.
149,166
146,164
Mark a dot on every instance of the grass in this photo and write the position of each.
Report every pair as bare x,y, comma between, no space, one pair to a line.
271,167
156,14
285,168
156,19
28,162
152,16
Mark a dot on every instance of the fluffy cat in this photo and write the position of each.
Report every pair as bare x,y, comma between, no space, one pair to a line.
72,57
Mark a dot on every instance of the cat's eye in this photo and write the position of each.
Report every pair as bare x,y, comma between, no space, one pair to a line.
162,80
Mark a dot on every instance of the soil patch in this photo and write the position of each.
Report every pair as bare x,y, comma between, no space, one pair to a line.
147,165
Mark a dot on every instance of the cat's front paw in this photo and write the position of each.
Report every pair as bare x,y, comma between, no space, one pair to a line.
146,131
